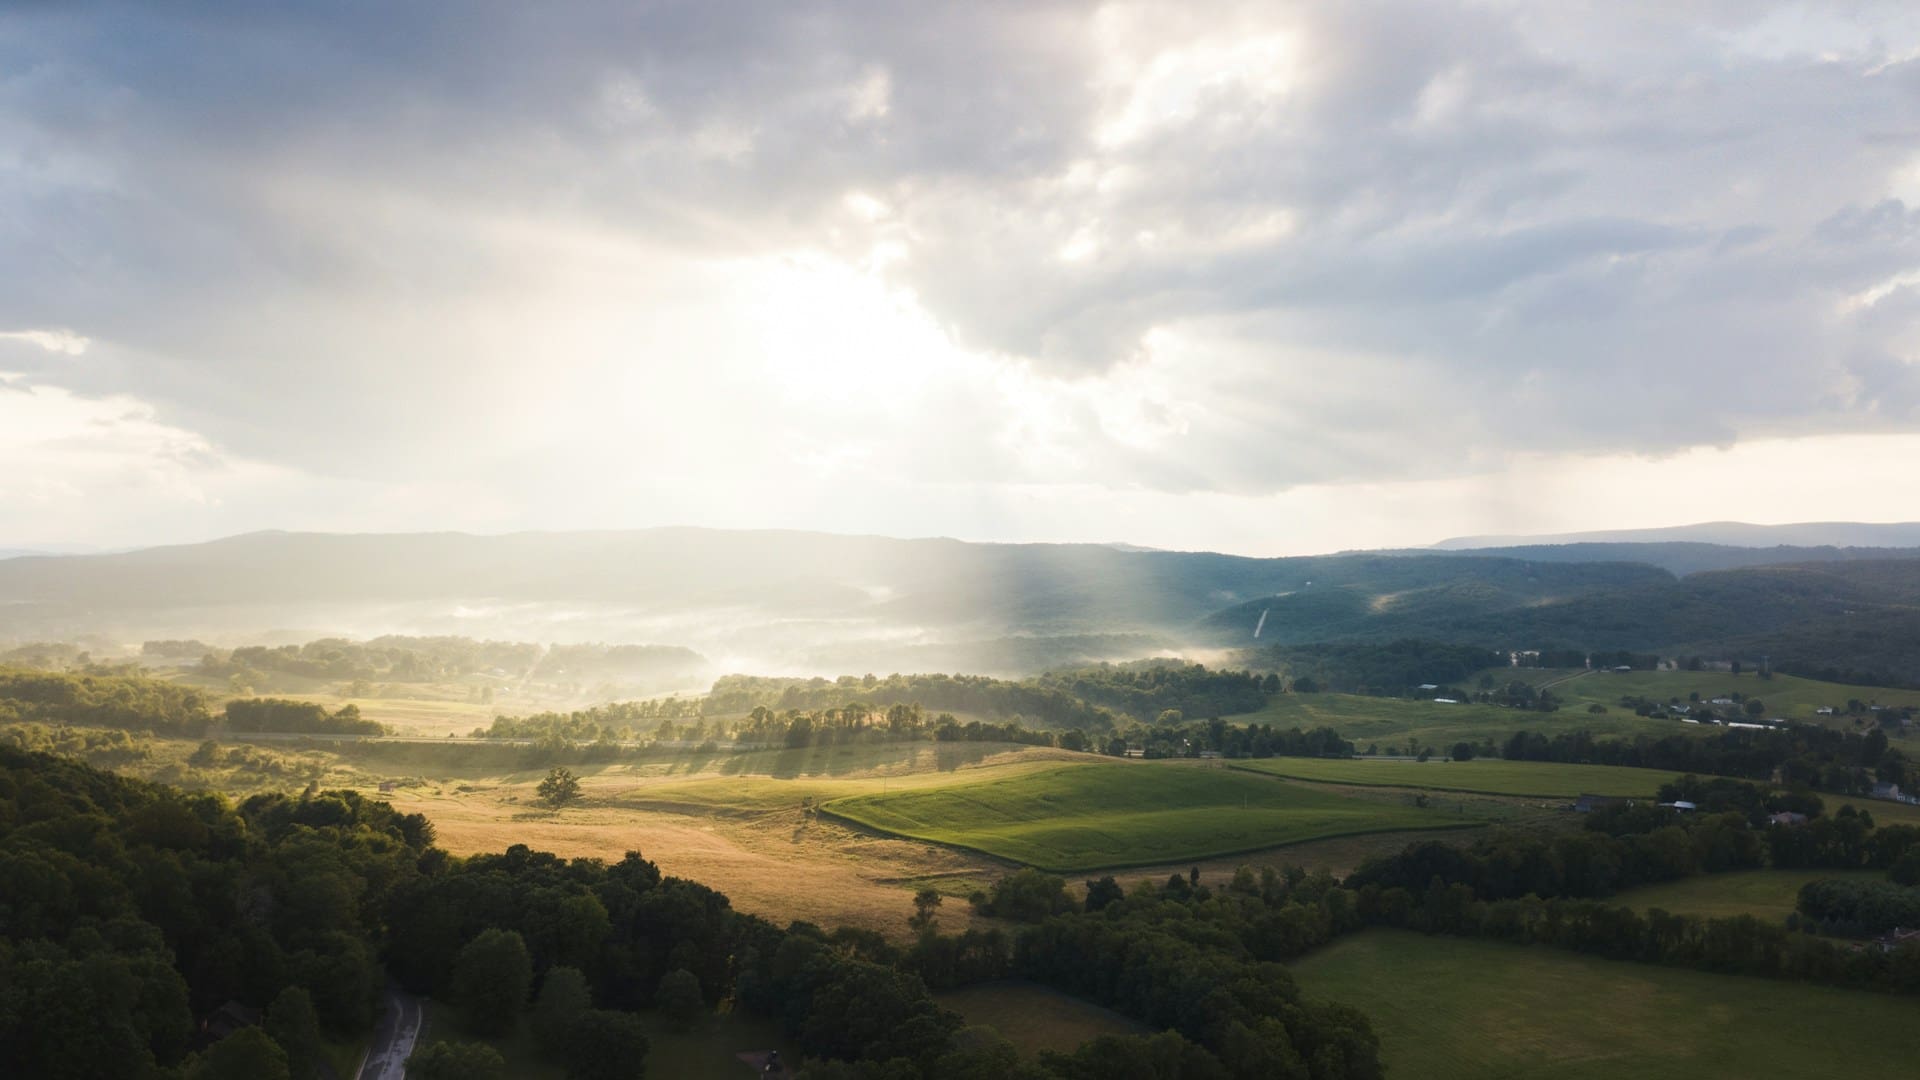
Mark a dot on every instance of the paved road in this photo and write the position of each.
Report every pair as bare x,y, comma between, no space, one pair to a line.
393,1037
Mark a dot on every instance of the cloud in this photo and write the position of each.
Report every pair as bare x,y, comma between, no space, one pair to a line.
1228,249
54,341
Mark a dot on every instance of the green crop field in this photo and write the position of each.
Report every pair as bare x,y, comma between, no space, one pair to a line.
1093,816
1764,894
1390,722
1492,777
1785,696
1449,1007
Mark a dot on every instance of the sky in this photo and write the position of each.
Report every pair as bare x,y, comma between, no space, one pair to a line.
1267,278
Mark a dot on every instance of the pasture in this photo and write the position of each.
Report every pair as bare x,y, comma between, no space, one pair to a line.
1764,894
1104,815
1390,722
1785,696
1490,776
1449,1008
1035,1018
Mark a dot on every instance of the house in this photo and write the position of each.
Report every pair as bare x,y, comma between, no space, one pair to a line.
1446,701
228,1019
1136,751
1722,701
1681,805
1587,804
1824,710
386,787
1896,938
1622,669
1886,789
1427,686
1788,818
1209,753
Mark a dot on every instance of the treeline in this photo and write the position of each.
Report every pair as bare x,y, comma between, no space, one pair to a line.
117,701
390,658
1093,699
1179,738
1800,755
278,716
1855,908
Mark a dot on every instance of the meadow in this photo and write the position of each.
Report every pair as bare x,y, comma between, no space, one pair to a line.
1787,697
1389,722
1764,894
1528,1013
1106,815
1034,1017
1490,776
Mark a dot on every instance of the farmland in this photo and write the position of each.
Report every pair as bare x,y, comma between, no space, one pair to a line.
1101,815
1787,697
1035,1018
1764,894
1529,1013
1390,722
1491,776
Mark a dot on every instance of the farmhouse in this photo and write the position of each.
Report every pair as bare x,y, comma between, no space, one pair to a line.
1428,686
1788,818
1886,789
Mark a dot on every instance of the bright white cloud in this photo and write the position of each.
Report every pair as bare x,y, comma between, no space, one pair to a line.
996,271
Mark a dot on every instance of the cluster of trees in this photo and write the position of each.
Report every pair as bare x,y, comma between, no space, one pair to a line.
1175,736
134,911
117,701
1093,699
1802,754
1364,668
275,715
391,658
106,748
1859,908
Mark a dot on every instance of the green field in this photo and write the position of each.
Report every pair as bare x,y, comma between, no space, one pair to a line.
1491,776
1390,722
1035,1018
1765,894
1449,1007
1786,696
1094,816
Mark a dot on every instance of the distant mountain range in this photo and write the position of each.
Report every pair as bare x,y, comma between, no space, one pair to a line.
777,602
1835,534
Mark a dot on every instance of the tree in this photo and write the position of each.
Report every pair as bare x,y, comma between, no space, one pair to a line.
1755,707
247,1054
926,910
294,1024
1463,751
457,1061
560,787
606,1045
679,999
1103,892
564,998
490,980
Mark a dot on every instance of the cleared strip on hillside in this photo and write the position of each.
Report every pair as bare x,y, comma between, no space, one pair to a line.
1110,815
1538,779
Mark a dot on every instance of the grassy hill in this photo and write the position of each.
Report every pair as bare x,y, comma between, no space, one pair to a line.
1103,815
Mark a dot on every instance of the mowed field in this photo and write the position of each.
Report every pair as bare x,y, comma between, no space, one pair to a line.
1491,776
1034,1017
1105,815
1453,1008
1390,722
1764,894
1785,696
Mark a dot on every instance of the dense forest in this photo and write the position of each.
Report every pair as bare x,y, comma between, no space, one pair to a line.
136,912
